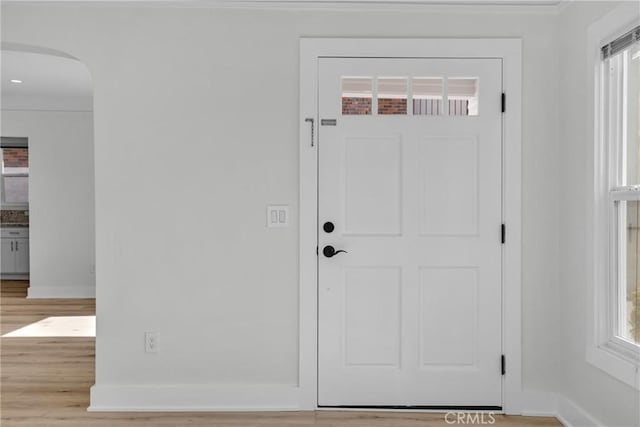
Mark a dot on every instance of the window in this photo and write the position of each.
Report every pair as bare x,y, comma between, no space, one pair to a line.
418,96
463,96
621,119
392,95
613,343
614,337
427,96
15,174
357,93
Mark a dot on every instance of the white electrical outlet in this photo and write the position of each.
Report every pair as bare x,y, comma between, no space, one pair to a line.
151,342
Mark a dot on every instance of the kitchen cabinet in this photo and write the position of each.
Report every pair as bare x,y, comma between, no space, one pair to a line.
15,250
8,258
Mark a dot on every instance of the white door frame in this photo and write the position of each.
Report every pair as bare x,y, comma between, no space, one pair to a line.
509,50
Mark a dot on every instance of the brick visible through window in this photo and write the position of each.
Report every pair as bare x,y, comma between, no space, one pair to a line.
392,106
356,106
15,157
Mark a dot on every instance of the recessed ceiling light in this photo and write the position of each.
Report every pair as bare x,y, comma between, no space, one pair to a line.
16,81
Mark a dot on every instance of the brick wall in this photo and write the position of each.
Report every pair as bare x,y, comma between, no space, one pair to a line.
15,157
392,106
426,107
356,105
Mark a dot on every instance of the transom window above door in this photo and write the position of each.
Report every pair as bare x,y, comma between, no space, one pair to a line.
417,96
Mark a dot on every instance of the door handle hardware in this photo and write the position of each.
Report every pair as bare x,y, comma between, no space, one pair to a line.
328,227
16,245
12,246
329,251
310,120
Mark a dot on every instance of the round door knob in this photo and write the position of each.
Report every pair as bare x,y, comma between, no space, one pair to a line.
330,251
328,227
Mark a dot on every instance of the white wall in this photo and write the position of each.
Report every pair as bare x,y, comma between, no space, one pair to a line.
609,400
61,193
188,254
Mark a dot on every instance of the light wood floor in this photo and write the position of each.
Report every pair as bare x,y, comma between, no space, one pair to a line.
45,383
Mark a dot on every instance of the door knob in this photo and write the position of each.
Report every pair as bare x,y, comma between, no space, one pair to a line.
330,251
328,227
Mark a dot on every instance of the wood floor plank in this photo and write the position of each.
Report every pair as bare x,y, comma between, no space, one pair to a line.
45,383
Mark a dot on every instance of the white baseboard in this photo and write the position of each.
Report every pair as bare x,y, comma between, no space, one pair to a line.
543,404
194,398
247,398
572,415
535,404
14,276
61,292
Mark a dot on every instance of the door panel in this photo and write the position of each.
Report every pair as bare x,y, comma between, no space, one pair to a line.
448,316
372,186
410,314
372,317
8,256
22,255
450,209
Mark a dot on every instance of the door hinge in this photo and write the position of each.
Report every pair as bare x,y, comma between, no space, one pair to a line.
503,233
504,102
503,365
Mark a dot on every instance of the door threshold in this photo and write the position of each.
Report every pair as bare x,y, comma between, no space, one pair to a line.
417,407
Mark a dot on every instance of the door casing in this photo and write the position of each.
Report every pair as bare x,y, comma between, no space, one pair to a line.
509,51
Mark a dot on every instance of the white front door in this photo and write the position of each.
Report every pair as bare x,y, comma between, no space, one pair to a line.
410,181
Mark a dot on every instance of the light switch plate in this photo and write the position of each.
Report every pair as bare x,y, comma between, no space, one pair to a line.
277,216
151,342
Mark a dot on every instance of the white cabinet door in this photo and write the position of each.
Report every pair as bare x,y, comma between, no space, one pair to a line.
411,315
8,257
21,250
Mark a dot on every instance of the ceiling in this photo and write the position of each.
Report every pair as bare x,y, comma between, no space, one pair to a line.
48,82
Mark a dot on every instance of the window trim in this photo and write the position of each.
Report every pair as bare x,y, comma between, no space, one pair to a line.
609,353
13,142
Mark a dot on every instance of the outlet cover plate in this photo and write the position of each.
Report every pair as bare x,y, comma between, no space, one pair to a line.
277,216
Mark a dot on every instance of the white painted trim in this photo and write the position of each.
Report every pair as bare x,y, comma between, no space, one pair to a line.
61,292
255,397
6,276
193,398
536,404
14,206
572,415
548,404
616,22
507,49
537,3
469,6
